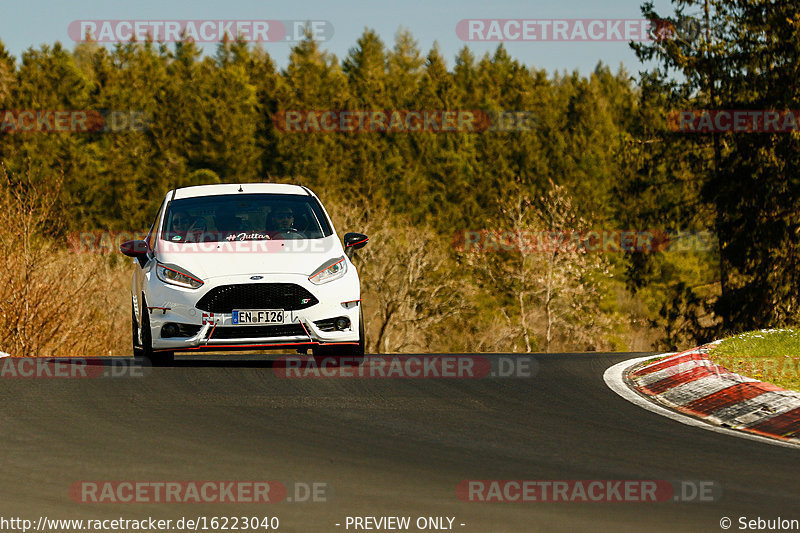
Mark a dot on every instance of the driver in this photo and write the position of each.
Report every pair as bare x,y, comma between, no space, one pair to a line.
281,220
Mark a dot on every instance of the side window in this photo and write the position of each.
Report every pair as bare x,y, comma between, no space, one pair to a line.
151,237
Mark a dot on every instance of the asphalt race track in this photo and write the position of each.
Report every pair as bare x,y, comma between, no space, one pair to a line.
384,447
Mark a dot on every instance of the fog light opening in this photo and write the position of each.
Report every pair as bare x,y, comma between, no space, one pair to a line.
342,323
170,330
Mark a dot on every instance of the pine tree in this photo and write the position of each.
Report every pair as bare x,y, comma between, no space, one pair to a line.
744,58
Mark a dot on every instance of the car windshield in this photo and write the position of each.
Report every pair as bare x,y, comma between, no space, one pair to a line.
244,217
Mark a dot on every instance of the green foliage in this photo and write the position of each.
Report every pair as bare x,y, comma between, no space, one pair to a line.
745,57
767,355
600,140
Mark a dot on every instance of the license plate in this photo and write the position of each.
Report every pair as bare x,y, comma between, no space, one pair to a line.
242,317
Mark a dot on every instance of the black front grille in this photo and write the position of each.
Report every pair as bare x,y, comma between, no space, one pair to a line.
255,332
226,298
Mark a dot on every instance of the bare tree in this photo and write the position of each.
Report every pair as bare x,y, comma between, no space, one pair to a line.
407,279
52,301
541,264
410,276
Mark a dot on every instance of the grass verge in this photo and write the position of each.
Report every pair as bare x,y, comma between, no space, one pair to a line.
767,355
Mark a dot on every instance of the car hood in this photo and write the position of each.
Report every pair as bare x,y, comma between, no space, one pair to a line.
215,259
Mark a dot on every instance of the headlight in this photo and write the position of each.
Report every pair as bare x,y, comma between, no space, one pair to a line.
333,269
175,276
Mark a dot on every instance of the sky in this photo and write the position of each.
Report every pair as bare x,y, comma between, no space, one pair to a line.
31,23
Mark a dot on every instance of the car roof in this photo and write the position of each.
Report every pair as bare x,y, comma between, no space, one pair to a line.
236,188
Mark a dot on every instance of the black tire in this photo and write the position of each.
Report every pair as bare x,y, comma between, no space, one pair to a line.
155,358
137,348
362,340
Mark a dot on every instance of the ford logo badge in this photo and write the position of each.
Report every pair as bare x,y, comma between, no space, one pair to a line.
256,277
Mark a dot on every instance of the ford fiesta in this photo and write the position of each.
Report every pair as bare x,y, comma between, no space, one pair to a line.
244,267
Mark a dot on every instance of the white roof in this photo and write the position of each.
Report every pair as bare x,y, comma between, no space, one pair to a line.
233,188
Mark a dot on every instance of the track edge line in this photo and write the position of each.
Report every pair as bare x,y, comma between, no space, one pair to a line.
614,379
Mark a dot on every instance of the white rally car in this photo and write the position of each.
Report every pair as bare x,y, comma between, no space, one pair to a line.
244,267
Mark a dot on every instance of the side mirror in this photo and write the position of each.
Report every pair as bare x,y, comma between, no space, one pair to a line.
354,241
135,249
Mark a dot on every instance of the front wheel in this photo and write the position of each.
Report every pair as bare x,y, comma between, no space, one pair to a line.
137,346
155,358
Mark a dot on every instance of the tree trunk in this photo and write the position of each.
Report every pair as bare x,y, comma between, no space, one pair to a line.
548,300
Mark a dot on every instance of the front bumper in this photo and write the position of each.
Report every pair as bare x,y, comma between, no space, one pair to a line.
205,339
170,304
